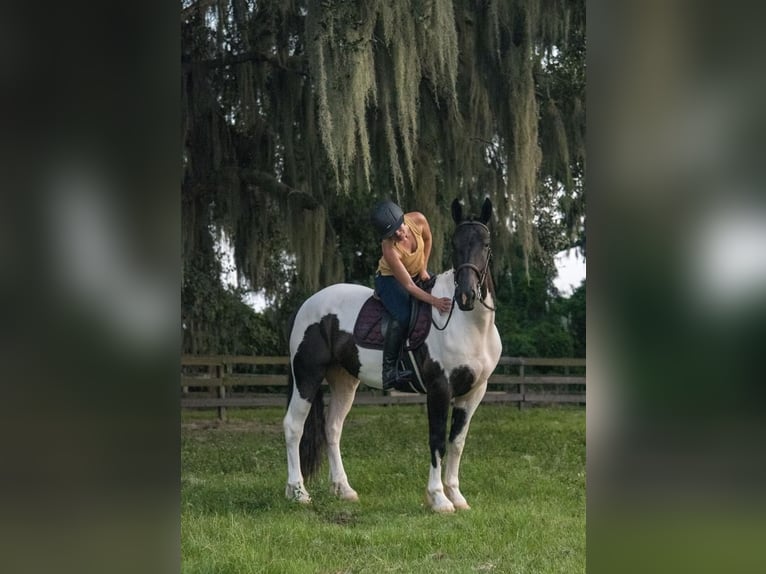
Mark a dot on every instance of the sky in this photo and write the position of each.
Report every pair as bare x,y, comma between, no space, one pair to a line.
571,271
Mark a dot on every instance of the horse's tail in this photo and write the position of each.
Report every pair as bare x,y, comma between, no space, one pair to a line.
314,441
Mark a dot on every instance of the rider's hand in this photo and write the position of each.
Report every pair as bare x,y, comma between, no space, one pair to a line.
443,304
425,281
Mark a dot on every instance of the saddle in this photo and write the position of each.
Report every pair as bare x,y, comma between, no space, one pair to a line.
372,322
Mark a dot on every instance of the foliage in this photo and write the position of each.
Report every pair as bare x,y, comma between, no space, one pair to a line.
217,321
291,108
533,319
298,116
575,313
523,473
232,328
358,246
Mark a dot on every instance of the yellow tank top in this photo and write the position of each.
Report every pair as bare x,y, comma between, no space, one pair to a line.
413,262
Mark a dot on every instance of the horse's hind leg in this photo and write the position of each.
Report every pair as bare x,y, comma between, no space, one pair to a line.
343,390
296,415
306,378
462,413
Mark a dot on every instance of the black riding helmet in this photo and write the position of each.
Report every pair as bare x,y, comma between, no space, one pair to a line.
387,217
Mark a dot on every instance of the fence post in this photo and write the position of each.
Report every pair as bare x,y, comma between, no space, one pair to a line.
220,371
522,387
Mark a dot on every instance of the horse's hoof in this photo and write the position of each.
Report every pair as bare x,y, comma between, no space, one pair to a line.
457,499
443,508
297,493
344,492
439,503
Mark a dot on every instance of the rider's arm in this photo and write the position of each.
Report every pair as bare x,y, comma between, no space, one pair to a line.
397,267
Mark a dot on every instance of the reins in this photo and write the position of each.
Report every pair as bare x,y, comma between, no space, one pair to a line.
452,308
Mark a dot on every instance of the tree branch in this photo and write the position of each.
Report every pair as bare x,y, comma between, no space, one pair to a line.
271,183
482,140
294,64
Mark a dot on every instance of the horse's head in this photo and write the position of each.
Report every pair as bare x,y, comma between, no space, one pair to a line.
470,254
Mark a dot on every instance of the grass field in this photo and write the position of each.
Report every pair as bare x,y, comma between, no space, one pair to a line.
523,474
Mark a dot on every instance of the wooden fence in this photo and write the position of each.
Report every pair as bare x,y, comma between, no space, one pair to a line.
221,381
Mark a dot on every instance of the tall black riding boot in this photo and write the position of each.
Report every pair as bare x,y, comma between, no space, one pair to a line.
392,347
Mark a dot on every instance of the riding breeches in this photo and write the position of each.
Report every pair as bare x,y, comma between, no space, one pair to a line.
395,298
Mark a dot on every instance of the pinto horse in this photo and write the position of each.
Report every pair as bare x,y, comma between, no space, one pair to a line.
455,361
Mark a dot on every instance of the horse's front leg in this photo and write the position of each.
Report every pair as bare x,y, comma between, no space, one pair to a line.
438,400
462,412
342,397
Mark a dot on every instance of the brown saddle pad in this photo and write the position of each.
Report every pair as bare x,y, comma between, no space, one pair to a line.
368,327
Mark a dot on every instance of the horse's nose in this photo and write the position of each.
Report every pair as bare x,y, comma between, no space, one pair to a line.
467,299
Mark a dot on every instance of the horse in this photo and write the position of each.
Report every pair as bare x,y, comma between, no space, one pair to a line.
455,361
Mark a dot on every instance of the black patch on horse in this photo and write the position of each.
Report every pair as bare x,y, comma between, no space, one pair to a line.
323,343
459,417
461,379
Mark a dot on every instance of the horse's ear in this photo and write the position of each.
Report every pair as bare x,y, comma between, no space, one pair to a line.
457,211
486,211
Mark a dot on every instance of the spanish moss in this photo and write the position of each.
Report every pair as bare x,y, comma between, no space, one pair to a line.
292,111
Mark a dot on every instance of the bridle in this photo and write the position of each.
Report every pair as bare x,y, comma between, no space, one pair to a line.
481,273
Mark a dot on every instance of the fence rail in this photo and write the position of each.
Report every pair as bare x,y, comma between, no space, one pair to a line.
218,381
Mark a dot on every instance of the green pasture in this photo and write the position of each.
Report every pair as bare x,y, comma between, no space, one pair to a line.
523,473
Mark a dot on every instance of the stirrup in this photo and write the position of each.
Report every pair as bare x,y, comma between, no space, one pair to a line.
399,377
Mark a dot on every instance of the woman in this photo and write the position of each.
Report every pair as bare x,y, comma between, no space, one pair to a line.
405,241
